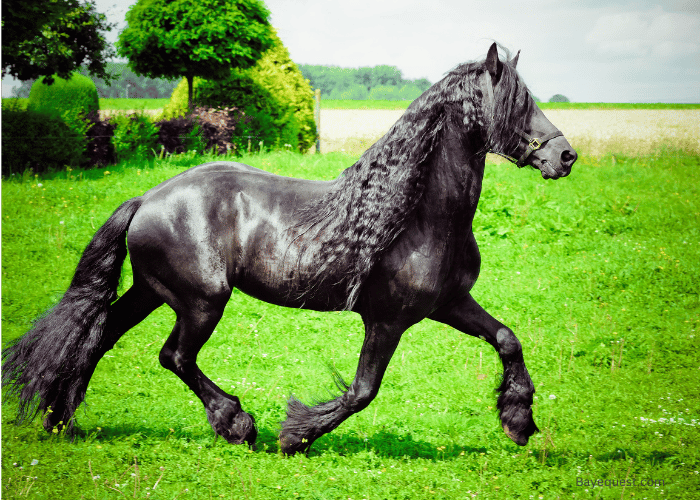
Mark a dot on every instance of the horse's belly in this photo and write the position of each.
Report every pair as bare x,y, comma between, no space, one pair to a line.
270,263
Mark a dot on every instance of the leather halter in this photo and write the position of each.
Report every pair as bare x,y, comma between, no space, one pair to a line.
533,143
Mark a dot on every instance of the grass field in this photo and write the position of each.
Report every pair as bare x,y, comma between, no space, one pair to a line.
596,273
157,104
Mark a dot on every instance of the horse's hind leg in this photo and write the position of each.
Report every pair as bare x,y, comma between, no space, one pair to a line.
131,308
192,329
517,389
305,424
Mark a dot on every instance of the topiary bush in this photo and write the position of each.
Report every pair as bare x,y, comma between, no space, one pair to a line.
37,141
75,94
74,102
273,94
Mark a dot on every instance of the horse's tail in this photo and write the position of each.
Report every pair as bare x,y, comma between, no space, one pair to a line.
49,367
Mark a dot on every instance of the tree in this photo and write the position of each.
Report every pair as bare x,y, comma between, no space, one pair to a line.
175,38
558,98
386,75
41,39
422,83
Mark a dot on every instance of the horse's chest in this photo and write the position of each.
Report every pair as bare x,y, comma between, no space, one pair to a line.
421,267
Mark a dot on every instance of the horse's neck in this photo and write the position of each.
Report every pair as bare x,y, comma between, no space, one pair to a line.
455,177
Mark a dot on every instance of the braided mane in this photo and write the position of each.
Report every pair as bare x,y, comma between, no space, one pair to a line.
370,202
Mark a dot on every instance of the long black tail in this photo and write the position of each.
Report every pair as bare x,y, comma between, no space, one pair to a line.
49,367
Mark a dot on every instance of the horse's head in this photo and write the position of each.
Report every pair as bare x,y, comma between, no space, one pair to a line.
517,128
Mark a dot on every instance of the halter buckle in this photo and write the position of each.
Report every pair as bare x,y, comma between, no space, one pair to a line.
535,143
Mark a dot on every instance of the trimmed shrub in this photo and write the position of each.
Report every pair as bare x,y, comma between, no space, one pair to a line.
273,94
74,102
75,94
36,141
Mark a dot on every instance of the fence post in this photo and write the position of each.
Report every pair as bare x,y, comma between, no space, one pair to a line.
317,118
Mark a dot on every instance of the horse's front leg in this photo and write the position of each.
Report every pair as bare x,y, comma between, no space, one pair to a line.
517,389
305,424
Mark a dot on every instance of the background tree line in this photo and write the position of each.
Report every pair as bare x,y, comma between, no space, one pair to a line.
124,83
379,82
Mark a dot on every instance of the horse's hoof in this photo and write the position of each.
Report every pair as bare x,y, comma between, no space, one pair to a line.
54,422
518,439
241,430
290,445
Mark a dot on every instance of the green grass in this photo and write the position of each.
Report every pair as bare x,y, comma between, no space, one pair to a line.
362,104
596,273
154,104
129,104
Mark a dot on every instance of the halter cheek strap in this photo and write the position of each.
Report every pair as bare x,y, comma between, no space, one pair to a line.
533,143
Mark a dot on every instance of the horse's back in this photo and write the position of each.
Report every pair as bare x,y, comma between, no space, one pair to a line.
222,225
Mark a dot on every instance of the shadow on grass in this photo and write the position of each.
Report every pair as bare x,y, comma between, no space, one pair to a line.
382,444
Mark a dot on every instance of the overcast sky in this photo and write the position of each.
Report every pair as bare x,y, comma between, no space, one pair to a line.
588,50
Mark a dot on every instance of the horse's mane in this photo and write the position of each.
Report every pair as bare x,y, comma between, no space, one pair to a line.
370,202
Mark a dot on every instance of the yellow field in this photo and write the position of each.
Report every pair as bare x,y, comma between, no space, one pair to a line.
629,132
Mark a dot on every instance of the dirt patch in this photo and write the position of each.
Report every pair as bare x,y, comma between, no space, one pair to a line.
104,113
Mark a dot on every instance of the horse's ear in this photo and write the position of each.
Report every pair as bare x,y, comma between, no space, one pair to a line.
514,61
493,64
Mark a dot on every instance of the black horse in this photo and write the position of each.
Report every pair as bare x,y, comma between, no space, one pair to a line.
391,239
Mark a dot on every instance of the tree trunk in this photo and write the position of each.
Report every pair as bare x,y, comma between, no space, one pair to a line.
190,91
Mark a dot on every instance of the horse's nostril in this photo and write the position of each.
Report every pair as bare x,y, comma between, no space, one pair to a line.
568,157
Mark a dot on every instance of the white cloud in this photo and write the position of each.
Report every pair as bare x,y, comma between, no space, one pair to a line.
672,49
646,33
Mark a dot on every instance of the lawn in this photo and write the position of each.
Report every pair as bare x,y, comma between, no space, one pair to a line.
596,273
121,104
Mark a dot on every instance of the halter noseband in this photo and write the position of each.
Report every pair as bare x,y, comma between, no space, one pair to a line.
533,143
